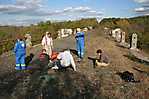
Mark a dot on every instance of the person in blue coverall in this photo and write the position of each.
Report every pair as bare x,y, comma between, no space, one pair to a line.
20,53
80,43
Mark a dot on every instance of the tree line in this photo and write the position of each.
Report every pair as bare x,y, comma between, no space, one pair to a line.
8,34
139,25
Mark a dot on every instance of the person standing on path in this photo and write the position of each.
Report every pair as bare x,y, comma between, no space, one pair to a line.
80,42
20,53
28,43
47,43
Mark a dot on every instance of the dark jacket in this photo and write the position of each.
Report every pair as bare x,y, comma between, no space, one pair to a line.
103,58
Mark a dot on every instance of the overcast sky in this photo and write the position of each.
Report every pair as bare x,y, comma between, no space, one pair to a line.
25,12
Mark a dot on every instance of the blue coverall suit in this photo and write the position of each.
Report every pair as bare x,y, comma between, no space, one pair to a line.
80,43
20,52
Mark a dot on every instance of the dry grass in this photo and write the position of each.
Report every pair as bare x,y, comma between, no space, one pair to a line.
89,82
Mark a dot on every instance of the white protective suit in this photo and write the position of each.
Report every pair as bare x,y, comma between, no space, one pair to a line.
47,44
66,59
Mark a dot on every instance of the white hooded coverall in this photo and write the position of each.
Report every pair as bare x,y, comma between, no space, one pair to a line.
66,59
47,44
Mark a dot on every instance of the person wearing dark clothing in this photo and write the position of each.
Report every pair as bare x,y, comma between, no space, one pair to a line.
44,58
102,58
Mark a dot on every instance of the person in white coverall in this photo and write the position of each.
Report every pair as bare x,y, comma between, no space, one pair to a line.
65,59
47,43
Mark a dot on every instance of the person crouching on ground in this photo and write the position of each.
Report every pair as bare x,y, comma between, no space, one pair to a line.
102,58
43,55
64,59
20,53
43,58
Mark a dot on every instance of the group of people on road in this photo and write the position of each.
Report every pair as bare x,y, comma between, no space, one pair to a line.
60,59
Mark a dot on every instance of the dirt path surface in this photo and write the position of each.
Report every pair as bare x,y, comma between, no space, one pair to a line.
87,83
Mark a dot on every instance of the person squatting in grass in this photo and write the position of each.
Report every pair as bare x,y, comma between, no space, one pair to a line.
80,42
43,56
101,59
64,59
20,53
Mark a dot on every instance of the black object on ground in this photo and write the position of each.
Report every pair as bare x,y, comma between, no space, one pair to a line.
127,76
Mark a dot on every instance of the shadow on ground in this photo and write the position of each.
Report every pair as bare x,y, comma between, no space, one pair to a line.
136,59
29,58
93,61
38,84
69,85
7,83
59,85
16,84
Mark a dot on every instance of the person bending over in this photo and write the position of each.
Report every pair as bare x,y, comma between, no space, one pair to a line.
43,58
64,59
